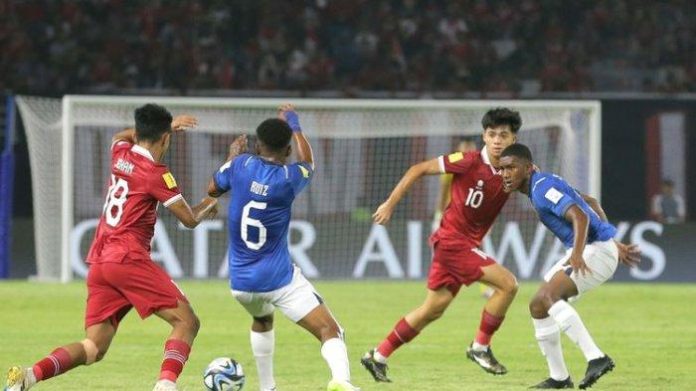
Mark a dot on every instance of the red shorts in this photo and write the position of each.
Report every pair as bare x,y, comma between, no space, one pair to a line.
114,288
453,268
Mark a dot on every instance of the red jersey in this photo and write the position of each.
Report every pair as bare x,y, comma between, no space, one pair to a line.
128,218
477,198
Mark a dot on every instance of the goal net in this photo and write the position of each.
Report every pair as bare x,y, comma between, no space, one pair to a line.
362,148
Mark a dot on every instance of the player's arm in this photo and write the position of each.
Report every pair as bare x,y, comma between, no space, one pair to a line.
238,147
629,254
287,113
127,135
594,204
581,224
190,217
443,197
384,211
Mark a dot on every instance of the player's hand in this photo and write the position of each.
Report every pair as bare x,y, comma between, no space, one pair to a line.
577,262
629,254
183,122
238,146
213,211
284,109
383,213
287,113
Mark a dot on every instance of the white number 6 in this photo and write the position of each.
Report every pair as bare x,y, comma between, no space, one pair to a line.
248,221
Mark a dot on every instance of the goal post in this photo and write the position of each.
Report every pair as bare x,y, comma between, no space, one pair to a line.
362,147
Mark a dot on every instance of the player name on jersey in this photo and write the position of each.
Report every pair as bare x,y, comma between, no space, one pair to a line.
125,166
258,188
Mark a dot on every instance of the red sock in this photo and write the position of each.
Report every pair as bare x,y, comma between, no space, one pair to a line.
402,333
489,324
176,353
59,361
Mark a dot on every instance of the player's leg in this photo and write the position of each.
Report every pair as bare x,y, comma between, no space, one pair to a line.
185,326
547,331
321,323
105,308
262,334
151,291
504,285
262,338
64,358
551,301
301,303
406,329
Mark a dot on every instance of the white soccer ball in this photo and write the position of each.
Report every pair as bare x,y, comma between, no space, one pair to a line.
224,374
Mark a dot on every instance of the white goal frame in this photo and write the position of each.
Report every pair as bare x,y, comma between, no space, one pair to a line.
69,102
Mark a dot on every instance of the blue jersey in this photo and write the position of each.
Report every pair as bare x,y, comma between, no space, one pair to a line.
261,198
551,196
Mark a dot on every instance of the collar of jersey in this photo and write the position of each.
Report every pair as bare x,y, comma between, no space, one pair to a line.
142,151
532,181
484,156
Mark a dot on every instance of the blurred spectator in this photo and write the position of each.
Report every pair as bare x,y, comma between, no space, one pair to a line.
507,46
668,207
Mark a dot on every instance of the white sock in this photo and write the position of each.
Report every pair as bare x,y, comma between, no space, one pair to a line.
477,347
262,346
379,358
29,378
548,335
571,324
335,353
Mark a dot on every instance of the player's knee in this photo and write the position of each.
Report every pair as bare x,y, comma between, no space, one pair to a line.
190,323
510,286
263,323
330,330
540,304
435,312
194,325
93,352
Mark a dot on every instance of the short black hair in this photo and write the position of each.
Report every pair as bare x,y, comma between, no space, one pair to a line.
502,116
519,151
152,121
274,133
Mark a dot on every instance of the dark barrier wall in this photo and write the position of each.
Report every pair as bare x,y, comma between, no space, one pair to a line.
625,154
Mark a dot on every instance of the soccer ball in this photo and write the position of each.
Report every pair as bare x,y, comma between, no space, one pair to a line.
224,374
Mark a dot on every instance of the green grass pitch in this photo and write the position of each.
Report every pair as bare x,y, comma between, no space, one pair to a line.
648,329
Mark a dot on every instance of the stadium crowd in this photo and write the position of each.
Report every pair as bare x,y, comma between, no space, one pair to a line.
510,46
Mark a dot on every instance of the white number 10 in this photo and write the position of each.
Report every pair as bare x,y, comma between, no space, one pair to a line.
474,199
248,221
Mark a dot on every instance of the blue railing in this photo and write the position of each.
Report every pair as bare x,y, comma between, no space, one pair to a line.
7,165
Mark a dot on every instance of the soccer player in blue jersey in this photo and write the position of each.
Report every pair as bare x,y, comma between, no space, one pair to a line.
263,187
591,259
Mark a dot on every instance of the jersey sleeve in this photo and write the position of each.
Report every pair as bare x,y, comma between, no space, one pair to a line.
224,175
299,174
554,198
456,163
163,186
120,145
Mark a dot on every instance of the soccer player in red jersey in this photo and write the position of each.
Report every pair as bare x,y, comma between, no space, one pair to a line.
122,275
477,198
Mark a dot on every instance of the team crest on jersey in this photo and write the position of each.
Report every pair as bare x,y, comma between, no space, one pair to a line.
455,157
479,184
169,180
